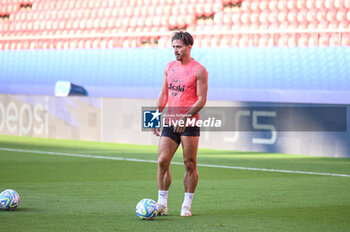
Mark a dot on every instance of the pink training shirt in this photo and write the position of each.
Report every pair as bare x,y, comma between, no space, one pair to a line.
182,88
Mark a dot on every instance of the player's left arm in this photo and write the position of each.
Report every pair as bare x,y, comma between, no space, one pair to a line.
202,90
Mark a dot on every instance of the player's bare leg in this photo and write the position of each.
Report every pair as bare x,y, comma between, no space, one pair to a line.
166,150
190,147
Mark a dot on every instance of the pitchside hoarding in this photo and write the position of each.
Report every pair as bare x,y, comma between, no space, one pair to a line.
310,129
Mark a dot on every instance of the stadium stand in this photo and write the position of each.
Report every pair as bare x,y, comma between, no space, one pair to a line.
72,24
62,40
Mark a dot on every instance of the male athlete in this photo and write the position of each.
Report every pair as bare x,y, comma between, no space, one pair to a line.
185,91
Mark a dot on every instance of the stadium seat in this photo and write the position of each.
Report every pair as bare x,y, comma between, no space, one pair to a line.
275,26
345,41
313,40
303,40
263,5
324,40
272,5
339,4
312,25
292,16
225,41
291,4
344,24
323,25
253,6
321,15
235,41
263,17
311,16
245,18
245,41
319,4
346,4
335,40
328,4
341,14
273,16
302,4
283,40
263,40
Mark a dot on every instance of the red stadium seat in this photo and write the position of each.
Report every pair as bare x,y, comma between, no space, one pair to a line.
225,41
282,16
263,17
254,6
263,5
344,24
341,14
292,16
303,25
301,4
225,20
291,4
301,16
263,41
273,16
245,18
319,4
335,40
282,5
345,41
303,40
328,4
348,15
283,40
313,40
324,40
236,17
219,18
321,15
323,25
254,18
311,16
205,42
312,25
346,4
272,5
235,41
331,15
339,4
245,41
334,24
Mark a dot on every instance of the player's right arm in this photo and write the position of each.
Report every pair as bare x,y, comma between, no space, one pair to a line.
162,98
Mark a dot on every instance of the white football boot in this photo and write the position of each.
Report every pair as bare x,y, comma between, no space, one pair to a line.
162,210
186,212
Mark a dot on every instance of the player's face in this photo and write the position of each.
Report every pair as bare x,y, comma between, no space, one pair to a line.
180,49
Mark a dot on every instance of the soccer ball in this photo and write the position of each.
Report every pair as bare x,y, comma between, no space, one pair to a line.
9,200
147,209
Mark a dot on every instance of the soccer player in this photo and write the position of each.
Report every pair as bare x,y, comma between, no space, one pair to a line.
184,90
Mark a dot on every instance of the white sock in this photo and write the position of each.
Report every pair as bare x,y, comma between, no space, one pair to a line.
188,200
163,197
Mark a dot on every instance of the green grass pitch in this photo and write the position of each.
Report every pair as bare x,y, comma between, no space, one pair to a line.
69,193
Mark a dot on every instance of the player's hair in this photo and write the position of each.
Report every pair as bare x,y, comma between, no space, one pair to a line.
184,36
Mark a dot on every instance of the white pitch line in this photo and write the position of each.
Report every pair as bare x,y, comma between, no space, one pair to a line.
177,163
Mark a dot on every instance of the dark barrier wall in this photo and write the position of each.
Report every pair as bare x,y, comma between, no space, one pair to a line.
308,129
297,75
